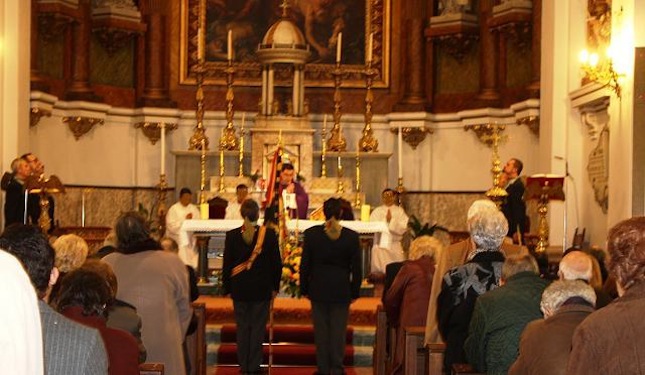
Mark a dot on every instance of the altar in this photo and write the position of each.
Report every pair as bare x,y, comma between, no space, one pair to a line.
193,230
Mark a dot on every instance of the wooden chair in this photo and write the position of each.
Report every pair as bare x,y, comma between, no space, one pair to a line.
435,354
217,208
380,342
578,239
414,361
196,342
151,369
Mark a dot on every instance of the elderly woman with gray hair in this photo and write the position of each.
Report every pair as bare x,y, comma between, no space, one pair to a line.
406,301
611,340
463,284
546,343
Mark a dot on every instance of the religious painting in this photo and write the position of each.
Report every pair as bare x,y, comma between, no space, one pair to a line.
319,21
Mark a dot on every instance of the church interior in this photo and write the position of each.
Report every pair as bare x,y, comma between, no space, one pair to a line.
128,101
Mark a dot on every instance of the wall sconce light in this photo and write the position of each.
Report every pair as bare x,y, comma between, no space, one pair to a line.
601,70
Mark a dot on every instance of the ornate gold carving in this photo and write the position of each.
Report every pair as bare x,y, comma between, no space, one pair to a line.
113,39
80,125
35,114
152,130
52,25
488,133
368,143
413,135
458,45
533,122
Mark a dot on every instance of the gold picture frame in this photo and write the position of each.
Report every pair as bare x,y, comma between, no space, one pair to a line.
318,73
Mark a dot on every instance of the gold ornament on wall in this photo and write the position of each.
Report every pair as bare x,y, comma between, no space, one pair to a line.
80,125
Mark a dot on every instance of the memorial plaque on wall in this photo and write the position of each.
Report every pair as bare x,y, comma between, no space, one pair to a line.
598,170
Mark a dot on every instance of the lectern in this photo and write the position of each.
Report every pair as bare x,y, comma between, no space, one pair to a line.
543,188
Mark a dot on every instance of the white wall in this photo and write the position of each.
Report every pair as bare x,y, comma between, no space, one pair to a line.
14,80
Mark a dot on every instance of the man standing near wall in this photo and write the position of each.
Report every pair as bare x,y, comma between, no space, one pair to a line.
514,208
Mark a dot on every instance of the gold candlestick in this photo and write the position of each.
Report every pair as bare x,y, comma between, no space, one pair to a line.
357,200
337,141
228,140
368,142
202,169
221,170
340,188
199,140
241,157
323,167
161,211
492,135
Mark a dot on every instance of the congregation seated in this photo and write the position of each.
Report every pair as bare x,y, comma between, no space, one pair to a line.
455,255
406,301
156,283
462,284
611,340
501,315
578,265
120,314
545,344
71,252
68,347
83,297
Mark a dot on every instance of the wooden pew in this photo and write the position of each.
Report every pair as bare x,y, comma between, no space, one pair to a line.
414,361
196,342
465,369
380,342
435,353
151,369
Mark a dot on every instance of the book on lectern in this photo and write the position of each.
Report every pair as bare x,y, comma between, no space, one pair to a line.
544,186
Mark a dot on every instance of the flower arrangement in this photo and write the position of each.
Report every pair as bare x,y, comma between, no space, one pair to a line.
291,267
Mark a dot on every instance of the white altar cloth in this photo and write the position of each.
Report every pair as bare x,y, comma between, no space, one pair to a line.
190,255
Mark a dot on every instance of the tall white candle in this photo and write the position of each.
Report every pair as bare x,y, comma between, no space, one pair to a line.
400,152
370,46
83,208
339,47
162,127
229,45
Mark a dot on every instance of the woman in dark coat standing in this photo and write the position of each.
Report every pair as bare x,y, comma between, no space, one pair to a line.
330,276
251,275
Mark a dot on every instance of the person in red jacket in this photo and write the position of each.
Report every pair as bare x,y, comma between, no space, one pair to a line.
84,297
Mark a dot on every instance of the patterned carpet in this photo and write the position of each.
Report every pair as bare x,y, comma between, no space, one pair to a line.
219,310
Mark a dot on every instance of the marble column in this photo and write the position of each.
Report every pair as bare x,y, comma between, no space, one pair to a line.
270,91
414,98
488,55
80,88
155,91
536,45
37,83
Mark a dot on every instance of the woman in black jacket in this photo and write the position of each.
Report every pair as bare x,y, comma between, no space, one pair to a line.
251,275
330,276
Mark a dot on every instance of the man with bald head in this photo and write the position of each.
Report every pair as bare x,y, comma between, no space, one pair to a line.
578,265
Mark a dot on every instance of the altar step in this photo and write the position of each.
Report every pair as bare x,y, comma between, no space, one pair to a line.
292,346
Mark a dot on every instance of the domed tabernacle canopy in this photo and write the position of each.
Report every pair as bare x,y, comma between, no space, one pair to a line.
283,43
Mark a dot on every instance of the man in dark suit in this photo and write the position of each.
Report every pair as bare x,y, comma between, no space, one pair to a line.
330,276
14,206
514,208
251,275
69,347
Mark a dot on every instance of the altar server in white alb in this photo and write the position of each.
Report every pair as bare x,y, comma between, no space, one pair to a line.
180,211
233,208
397,222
